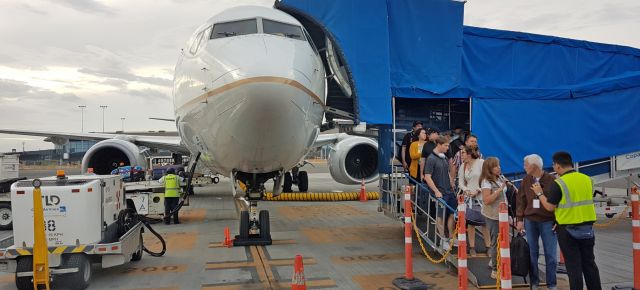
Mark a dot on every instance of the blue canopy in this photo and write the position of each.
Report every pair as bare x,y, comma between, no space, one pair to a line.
530,93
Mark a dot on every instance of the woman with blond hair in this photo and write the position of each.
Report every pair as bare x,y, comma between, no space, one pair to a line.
493,188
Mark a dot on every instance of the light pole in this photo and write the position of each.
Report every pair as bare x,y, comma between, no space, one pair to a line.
122,119
103,107
82,107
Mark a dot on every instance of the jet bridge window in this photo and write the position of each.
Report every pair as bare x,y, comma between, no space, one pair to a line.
235,28
282,29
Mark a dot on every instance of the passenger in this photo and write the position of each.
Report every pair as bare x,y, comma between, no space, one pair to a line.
406,142
468,184
571,199
457,141
537,221
415,151
171,184
493,189
432,135
472,141
437,176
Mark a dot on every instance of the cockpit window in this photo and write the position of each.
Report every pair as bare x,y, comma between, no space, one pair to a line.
235,28
282,29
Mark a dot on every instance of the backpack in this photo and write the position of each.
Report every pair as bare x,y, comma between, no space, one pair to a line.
520,258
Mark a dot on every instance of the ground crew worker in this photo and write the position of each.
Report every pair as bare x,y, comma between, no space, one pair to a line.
171,184
571,199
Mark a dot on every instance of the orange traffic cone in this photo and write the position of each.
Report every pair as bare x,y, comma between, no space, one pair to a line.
228,242
298,281
363,192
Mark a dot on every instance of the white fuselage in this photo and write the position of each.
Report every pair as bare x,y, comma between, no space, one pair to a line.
251,103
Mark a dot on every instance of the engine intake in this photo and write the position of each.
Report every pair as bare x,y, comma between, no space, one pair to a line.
354,159
106,155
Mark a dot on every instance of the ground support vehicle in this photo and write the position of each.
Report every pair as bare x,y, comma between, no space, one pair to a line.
86,221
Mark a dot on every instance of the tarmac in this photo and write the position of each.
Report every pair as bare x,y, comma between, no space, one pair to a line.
345,245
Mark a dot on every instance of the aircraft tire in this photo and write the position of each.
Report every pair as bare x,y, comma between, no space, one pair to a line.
288,182
265,226
303,181
244,225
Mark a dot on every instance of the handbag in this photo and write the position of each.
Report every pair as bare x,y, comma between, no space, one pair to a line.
473,214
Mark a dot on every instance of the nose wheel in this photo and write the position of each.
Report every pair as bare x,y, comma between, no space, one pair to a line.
255,229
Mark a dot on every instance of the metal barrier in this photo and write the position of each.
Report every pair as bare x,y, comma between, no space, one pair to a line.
391,193
429,211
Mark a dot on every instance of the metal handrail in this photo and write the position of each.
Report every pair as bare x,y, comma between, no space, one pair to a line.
440,200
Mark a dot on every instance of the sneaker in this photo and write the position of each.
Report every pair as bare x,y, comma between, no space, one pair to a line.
472,252
494,274
490,264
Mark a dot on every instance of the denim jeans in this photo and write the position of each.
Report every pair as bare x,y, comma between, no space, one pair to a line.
535,231
494,229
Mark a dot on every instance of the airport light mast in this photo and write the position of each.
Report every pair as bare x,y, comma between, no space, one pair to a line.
122,119
103,107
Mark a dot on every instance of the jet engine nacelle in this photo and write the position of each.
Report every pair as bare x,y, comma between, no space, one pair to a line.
106,155
353,159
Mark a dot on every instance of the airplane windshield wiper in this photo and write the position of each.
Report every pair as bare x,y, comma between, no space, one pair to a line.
292,35
227,34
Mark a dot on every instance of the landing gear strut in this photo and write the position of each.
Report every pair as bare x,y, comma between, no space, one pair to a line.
255,229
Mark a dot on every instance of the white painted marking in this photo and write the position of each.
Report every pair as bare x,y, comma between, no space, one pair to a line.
504,253
462,237
462,263
505,284
503,217
407,240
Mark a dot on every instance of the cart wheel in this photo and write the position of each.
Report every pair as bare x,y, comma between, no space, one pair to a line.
24,264
244,225
6,218
137,256
78,280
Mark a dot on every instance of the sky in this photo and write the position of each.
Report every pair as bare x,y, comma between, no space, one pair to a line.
57,55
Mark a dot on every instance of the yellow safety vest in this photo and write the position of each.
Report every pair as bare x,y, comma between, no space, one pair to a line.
576,205
171,186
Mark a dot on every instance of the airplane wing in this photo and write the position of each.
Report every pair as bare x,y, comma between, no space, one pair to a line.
325,139
172,143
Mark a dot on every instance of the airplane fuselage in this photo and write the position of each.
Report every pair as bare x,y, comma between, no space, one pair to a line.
249,100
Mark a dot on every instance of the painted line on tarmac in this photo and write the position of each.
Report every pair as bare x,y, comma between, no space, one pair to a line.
153,270
259,259
275,242
367,258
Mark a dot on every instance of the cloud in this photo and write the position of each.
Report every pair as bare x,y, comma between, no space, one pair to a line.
17,91
32,9
150,94
118,72
87,6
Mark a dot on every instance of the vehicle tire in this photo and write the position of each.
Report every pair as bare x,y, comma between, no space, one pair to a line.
288,182
609,215
244,224
24,264
265,226
303,181
6,218
216,180
78,280
137,256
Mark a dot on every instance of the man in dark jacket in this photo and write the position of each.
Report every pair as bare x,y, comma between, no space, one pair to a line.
537,221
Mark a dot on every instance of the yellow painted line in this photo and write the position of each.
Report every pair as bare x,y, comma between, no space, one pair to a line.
79,249
289,262
228,265
263,276
367,258
320,283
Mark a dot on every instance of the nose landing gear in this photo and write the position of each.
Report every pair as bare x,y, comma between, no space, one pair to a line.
255,228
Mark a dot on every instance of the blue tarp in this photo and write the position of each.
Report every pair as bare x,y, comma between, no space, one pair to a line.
540,94
530,93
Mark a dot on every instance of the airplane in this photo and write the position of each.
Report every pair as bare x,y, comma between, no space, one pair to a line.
249,97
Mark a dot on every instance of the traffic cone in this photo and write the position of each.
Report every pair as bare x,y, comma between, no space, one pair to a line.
363,192
298,281
228,242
